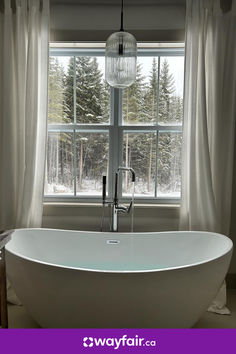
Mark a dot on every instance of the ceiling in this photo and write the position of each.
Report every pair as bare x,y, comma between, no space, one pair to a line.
118,2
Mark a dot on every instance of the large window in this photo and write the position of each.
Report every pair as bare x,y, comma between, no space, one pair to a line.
93,129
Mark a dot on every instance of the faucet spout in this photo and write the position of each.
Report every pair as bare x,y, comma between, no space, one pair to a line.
130,169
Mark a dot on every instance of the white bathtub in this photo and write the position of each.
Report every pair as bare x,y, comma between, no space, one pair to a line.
88,279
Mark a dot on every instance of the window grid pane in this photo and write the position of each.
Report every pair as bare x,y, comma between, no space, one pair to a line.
92,158
169,164
60,166
139,152
60,93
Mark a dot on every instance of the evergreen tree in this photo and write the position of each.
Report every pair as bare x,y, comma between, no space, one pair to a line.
167,88
105,103
150,100
176,110
169,144
69,91
89,91
132,109
56,103
132,99
59,145
169,162
92,106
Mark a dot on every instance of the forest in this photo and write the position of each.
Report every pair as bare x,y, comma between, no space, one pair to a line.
77,159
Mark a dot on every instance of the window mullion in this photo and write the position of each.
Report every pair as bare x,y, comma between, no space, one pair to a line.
74,134
152,128
120,141
100,127
157,117
114,138
78,127
111,141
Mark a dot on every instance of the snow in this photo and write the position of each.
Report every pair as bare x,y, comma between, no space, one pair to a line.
94,188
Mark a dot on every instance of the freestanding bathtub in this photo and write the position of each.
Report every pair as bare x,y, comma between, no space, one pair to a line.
125,280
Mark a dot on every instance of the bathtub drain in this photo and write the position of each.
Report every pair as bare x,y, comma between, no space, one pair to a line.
113,242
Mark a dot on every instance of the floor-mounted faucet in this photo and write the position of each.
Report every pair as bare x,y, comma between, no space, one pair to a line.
116,207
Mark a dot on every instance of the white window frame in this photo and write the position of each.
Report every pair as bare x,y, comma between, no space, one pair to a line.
115,128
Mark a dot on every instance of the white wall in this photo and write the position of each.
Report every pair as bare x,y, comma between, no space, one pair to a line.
68,21
108,17
88,217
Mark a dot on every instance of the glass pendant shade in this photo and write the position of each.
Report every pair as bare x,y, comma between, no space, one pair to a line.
121,57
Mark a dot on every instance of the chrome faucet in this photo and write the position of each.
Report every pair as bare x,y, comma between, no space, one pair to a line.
116,208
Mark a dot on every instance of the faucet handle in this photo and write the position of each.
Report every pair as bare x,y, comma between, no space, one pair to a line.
129,207
104,182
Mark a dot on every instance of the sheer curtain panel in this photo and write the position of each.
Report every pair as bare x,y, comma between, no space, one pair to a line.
209,119
24,36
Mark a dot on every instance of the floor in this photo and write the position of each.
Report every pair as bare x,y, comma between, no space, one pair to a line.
18,317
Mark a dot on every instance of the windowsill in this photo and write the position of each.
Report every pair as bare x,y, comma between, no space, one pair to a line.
96,205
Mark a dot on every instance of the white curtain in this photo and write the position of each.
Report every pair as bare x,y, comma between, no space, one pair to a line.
209,120
24,37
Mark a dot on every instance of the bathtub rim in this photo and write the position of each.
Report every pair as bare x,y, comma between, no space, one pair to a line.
227,251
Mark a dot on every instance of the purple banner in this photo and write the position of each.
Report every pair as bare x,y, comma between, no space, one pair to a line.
163,341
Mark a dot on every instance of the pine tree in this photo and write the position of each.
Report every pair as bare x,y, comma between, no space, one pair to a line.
145,143
132,99
176,111
167,88
56,103
170,112
150,99
59,145
69,91
89,91
105,103
132,110
92,107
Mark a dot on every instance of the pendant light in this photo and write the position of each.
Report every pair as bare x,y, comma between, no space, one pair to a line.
121,57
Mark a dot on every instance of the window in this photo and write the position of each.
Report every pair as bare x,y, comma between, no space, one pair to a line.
93,129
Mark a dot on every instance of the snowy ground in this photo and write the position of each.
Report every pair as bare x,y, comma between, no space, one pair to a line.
93,188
